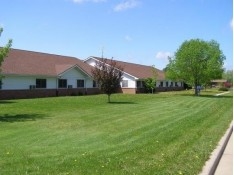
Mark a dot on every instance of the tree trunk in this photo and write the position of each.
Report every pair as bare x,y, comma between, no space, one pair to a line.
196,89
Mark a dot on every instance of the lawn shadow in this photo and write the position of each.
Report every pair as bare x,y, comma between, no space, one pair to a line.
20,117
122,102
6,102
205,95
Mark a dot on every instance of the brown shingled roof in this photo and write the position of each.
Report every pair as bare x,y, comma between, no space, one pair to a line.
21,62
138,70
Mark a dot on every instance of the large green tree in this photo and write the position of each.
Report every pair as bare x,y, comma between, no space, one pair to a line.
196,62
108,76
4,50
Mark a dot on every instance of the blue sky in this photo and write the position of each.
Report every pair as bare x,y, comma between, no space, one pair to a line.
138,31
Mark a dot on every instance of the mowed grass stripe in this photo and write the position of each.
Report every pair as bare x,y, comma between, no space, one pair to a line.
138,134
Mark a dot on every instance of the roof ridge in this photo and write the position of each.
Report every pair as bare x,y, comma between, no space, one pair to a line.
45,53
128,62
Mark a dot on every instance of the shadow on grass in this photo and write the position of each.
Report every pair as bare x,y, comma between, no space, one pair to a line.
20,117
121,103
205,95
6,102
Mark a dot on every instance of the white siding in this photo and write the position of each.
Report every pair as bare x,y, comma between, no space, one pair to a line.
131,81
91,62
73,75
23,82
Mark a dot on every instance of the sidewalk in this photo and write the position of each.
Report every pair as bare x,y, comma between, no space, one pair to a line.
225,165
221,159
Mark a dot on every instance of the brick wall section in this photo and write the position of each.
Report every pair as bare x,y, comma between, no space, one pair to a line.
39,93
127,90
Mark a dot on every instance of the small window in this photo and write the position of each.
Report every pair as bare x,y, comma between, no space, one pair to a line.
167,84
171,84
139,84
161,84
94,83
40,83
62,83
176,85
125,83
80,83
0,84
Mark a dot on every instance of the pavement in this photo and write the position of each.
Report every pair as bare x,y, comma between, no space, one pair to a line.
225,165
221,160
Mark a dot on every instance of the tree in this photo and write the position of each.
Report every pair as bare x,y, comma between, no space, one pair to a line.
108,76
150,83
228,75
4,50
196,62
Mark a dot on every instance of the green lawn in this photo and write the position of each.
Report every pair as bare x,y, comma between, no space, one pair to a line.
165,133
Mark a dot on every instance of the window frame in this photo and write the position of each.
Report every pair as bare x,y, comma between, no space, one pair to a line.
78,80
124,83
41,83
62,83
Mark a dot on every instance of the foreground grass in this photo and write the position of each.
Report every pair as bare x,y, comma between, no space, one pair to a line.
166,133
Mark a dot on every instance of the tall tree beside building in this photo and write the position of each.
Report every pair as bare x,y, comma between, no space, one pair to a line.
108,76
4,50
196,62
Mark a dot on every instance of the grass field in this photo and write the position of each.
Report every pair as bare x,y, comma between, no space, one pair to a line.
166,133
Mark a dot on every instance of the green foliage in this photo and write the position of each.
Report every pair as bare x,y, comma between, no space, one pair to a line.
139,134
196,62
4,50
150,84
223,89
108,76
228,75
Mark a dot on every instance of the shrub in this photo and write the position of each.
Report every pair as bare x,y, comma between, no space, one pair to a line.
223,89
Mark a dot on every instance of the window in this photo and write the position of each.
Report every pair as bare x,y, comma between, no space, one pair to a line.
0,84
80,83
125,83
176,85
161,84
40,83
94,84
139,84
62,83
171,84
167,84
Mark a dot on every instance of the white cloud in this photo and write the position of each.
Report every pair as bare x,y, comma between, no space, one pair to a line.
127,4
163,55
82,1
231,24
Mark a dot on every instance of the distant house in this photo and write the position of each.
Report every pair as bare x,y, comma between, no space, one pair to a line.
135,74
218,83
27,74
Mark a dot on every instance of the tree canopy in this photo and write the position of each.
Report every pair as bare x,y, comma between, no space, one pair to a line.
196,62
4,50
108,76
150,82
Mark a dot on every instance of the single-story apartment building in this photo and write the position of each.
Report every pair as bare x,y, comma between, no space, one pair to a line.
135,74
29,74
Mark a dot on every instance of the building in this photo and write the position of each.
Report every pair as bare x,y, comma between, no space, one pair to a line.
135,74
28,74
